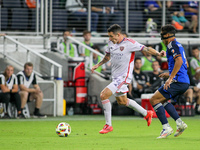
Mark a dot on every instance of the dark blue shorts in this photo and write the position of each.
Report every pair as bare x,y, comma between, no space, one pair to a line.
175,90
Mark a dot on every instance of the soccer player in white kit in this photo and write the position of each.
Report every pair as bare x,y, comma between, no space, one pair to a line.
121,52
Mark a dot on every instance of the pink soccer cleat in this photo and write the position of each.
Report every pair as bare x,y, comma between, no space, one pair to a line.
106,129
149,117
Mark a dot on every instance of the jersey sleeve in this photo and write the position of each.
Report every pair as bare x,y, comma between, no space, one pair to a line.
135,46
2,80
175,50
20,79
107,49
15,81
34,80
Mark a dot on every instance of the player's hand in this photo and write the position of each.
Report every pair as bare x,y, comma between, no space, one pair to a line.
162,53
37,90
167,84
164,75
94,67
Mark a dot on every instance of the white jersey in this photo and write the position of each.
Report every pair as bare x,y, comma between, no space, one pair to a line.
122,58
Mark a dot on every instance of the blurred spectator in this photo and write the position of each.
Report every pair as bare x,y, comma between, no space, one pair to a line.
153,8
2,34
63,46
195,63
147,62
82,50
178,19
9,90
193,93
191,10
140,80
154,79
159,47
107,14
25,79
77,8
97,59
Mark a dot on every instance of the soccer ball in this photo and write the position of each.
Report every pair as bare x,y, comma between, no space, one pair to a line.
63,129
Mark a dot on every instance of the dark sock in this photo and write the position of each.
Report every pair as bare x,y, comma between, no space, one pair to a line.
160,112
171,110
36,111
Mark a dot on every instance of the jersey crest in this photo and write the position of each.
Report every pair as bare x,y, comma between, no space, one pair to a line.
121,48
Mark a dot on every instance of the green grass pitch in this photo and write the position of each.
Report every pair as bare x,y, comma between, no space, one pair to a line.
130,133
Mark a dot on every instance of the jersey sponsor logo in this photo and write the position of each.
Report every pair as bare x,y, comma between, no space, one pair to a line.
179,45
174,54
121,48
172,50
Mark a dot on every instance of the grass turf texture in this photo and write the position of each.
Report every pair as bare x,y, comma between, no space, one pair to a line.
130,133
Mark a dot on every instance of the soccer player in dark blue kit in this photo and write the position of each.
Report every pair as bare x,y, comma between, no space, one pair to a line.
176,84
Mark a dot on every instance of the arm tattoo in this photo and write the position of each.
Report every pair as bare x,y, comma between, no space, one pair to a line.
146,49
105,59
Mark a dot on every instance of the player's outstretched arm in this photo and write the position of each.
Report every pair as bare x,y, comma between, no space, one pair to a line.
104,60
154,52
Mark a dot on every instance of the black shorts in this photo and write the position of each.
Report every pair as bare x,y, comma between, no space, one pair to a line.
176,89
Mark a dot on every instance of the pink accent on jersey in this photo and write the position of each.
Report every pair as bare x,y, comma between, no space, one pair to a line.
131,40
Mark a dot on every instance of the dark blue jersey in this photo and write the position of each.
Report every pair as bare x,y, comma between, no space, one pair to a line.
174,50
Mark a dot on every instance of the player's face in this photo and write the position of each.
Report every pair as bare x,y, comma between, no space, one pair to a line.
155,66
9,71
195,53
113,37
28,70
66,34
165,41
138,64
87,37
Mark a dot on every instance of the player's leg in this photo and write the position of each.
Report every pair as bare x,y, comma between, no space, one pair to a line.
105,94
123,100
156,101
181,126
38,97
24,98
176,89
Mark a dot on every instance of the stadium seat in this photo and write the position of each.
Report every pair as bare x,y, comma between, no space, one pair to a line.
4,18
59,20
11,3
19,19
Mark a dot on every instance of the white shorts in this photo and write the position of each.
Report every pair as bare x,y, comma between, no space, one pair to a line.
118,87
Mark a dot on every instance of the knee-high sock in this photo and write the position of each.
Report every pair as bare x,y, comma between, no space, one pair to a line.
171,110
135,106
160,112
107,111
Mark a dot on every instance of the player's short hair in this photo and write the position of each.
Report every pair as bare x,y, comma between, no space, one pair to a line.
96,47
195,47
137,58
115,28
66,31
168,29
28,64
86,32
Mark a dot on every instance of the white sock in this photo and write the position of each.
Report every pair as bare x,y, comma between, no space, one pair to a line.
178,121
135,106
107,111
165,126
